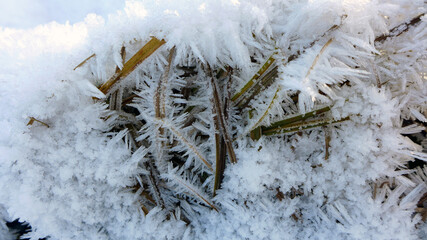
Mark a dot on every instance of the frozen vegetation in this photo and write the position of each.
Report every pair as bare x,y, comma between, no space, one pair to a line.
207,119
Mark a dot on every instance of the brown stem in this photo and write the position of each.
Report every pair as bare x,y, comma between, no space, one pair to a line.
399,29
221,119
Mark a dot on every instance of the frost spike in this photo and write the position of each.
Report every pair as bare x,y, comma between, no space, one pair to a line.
149,48
182,182
185,141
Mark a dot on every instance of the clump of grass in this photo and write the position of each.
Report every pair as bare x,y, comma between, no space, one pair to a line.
152,187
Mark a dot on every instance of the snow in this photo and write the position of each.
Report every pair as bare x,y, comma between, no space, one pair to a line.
72,172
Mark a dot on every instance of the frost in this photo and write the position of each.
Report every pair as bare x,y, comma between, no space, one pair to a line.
279,119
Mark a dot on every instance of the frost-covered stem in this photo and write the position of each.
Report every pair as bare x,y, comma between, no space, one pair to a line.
399,29
151,177
116,97
84,61
160,96
152,183
255,78
316,59
297,118
220,148
221,119
160,107
301,126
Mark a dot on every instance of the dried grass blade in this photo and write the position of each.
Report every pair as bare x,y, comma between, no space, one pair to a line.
220,150
399,29
318,56
32,121
132,63
160,96
144,209
221,119
302,126
276,94
84,61
257,75
259,86
297,118
327,142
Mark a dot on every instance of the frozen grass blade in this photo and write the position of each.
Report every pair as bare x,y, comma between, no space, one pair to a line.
267,110
160,96
221,119
84,61
220,153
297,118
254,86
301,126
116,97
316,59
266,81
255,78
130,65
399,29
